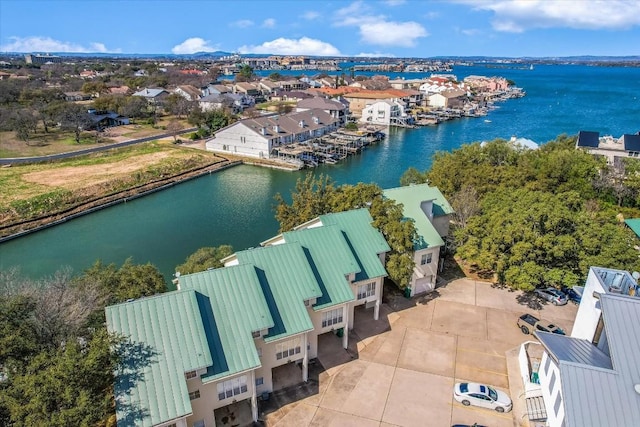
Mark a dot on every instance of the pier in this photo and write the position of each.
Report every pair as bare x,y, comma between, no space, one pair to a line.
329,149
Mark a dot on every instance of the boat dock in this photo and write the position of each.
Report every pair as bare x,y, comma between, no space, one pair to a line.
329,149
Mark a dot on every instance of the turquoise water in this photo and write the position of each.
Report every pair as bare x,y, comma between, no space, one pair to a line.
236,206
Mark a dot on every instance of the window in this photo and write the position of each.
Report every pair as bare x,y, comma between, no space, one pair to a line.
199,423
546,365
552,382
232,387
556,406
191,374
259,381
194,395
426,259
366,290
287,349
259,350
332,317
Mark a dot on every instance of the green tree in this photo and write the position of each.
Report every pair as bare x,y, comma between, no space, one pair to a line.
70,385
204,259
74,118
413,176
317,196
130,281
244,74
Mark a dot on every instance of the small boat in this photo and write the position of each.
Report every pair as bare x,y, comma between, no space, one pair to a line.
487,121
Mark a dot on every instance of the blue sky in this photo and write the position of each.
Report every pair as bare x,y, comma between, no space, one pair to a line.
396,28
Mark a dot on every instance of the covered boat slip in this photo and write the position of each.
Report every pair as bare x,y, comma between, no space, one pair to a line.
329,148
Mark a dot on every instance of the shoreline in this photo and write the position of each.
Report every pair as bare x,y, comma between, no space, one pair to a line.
24,228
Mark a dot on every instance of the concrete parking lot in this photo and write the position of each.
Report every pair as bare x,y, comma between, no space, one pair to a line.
400,370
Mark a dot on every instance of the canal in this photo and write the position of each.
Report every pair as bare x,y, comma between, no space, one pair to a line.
236,206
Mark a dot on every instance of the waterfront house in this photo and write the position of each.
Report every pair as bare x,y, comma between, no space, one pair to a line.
449,98
430,213
359,100
612,149
219,342
258,137
383,113
592,378
333,107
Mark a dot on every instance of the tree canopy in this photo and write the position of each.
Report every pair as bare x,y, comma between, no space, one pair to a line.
532,217
315,196
204,259
56,357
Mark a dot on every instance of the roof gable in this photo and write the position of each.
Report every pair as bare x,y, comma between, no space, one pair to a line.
287,280
331,260
363,239
412,197
233,307
168,328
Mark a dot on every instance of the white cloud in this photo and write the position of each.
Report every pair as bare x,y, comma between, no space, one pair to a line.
302,46
193,45
377,29
310,15
375,55
47,44
520,15
402,34
269,23
394,2
243,23
470,31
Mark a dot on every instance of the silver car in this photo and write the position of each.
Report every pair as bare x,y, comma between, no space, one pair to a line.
553,295
482,395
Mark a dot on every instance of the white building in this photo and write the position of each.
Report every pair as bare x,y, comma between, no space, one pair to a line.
431,212
258,137
383,113
592,378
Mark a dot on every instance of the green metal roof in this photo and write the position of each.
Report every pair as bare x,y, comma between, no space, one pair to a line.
411,197
331,261
166,339
634,225
233,307
287,281
363,239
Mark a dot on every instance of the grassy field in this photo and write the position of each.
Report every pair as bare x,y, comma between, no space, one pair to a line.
57,141
33,190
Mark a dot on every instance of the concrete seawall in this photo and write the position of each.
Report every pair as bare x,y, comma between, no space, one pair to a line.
113,200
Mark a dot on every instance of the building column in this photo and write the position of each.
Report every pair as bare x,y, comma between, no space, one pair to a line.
254,398
305,361
345,332
376,310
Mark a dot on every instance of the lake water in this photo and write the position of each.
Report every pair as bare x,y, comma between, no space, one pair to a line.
236,206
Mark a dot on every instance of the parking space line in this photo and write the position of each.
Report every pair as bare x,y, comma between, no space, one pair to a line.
482,352
483,370
482,410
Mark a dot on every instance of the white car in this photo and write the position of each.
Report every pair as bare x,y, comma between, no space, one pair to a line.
482,395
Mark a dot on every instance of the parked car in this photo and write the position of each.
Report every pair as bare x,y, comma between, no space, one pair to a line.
482,395
528,323
553,295
572,294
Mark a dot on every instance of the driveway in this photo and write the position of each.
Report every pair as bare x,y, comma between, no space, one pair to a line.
400,370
